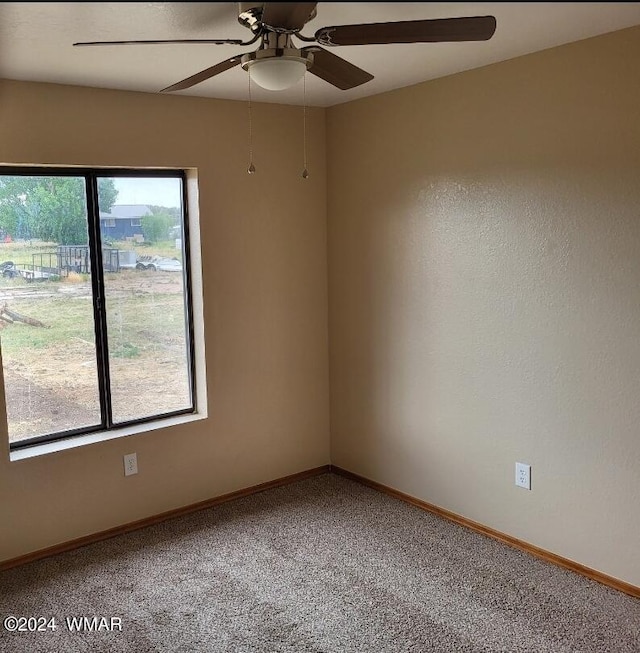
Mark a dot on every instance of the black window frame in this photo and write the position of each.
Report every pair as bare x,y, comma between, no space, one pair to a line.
91,176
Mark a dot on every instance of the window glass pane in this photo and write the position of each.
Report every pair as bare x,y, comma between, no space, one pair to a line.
46,307
145,289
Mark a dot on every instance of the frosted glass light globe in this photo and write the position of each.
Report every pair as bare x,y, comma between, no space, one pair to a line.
277,74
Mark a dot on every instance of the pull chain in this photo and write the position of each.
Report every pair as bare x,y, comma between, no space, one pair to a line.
305,172
251,169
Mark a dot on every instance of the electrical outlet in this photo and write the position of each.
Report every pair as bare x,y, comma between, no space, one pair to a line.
130,464
523,476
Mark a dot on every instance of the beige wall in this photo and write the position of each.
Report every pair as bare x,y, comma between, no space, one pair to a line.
265,306
484,284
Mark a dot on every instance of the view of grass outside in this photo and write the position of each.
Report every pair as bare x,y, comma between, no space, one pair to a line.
50,372
48,335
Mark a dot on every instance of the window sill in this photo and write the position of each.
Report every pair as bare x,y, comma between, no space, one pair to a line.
101,436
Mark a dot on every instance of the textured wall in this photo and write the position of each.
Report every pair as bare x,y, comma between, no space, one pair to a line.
265,306
484,284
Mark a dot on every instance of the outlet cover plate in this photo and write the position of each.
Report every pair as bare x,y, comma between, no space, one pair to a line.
130,464
523,475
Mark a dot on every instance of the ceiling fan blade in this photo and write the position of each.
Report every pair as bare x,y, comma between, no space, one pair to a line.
287,15
204,75
472,28
336,70
156,42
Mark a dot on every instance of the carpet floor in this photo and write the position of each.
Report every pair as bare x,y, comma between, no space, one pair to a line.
324,565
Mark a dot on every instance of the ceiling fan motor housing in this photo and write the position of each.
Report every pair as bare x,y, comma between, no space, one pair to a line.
250,15
253,16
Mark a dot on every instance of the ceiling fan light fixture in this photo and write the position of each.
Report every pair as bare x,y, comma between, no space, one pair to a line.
277,70
277,74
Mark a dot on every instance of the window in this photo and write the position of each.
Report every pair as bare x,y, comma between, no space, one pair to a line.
96,328
136,222
109,222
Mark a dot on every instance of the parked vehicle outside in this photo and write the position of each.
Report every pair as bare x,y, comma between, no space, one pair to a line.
159,263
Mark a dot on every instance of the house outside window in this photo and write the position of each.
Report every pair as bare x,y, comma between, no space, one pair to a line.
103,337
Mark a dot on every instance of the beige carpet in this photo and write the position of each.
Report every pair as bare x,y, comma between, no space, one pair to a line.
324,566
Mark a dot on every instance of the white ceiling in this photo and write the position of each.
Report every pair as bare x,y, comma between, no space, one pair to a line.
36,43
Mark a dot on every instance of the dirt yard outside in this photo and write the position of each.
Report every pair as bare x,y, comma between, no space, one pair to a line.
50,373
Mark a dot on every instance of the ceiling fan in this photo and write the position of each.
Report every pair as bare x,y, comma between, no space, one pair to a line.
277,64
